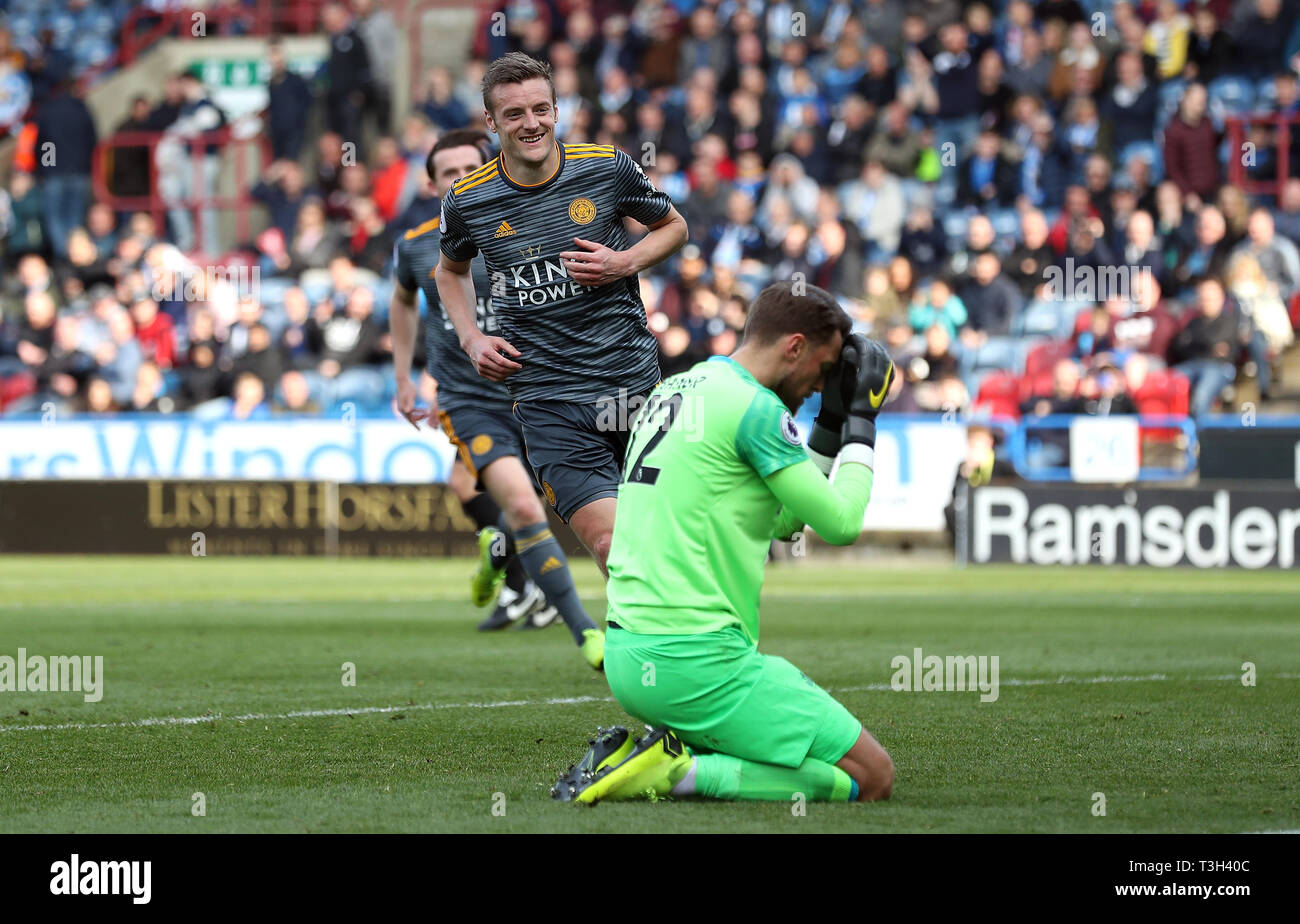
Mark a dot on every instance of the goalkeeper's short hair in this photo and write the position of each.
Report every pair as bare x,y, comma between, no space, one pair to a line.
785,308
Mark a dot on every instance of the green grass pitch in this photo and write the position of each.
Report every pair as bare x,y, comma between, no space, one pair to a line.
1115,681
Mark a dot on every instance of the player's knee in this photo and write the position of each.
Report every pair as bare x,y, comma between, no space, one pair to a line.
524,510
599,547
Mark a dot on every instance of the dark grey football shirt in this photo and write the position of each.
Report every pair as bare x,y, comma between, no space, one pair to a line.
580,344
458,384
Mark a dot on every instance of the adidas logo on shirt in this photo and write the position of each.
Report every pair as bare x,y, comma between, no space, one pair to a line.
504,230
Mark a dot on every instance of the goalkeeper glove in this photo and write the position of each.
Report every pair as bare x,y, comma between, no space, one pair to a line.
873,374
827,429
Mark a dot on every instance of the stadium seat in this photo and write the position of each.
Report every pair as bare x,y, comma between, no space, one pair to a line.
1232,95
1165,392
999,393
16,386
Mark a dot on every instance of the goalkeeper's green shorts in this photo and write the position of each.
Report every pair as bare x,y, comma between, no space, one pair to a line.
721,695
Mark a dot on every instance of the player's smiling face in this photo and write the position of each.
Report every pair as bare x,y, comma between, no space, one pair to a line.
523,117
809,367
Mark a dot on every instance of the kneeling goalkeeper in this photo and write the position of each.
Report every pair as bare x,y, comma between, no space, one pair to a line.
714,471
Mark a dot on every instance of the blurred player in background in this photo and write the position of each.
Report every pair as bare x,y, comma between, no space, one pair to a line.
716,470
475,414
574,349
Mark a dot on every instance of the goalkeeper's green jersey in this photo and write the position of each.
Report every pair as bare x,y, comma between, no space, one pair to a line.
699,505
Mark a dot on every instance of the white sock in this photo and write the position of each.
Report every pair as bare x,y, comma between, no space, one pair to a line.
686,785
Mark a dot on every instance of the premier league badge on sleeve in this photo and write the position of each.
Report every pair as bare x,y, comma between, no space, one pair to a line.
789,430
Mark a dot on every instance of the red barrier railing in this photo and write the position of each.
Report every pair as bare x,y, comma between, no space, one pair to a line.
156,205
1239,172
144,27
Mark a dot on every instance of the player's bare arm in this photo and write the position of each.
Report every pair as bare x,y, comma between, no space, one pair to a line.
490,355
403,321
595,264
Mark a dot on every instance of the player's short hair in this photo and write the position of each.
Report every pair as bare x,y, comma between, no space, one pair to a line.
778,312
460,138
514,67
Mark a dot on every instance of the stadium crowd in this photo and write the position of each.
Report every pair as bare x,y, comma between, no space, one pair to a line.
939,166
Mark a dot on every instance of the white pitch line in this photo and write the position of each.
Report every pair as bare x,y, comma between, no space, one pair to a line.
304,714
557,701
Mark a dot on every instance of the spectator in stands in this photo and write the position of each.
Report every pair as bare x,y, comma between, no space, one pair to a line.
188,165
23,219
1142,323
1210,51
388,178
294,396
378,31
1027,265
130,175
1286,219
1206,348
66,139
371,245
156,333
348,341
991,300
281,189
261,358
885,310
987,179
1191,147
288,106
876,205
923,242
1208,255
1064,395
347,75
1259,299
938,305
1129,109
315,241
168,109
1277,256
850,133
894,144
440,105
1259,31
1141,250
248,399
1103,391
118,360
